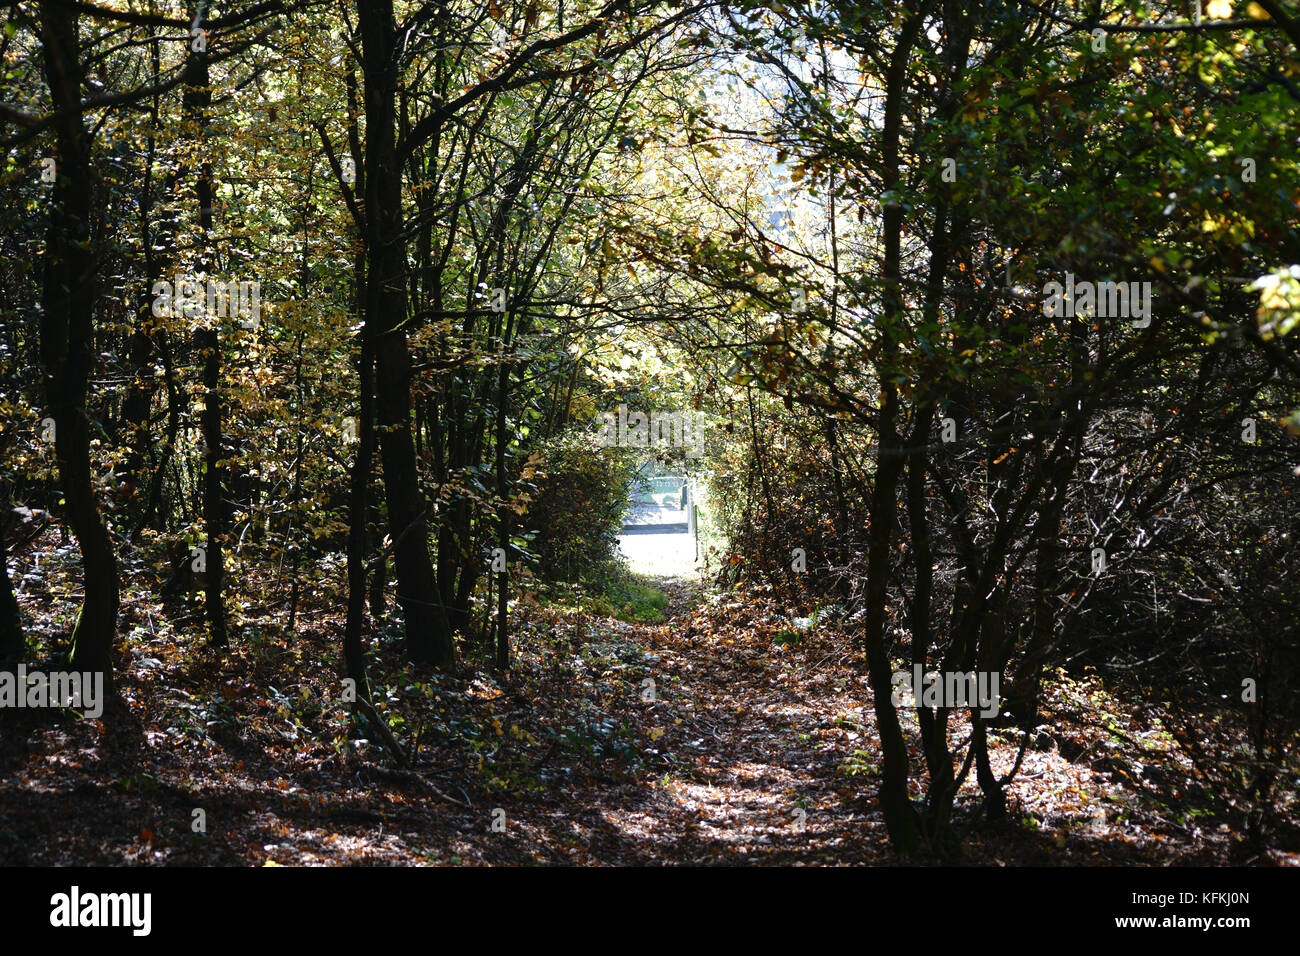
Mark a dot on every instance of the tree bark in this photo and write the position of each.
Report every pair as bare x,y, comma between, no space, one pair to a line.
358,506
67,341
140,343
196,105
428,638
901,817
12,644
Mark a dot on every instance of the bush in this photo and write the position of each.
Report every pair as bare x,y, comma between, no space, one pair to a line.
577,511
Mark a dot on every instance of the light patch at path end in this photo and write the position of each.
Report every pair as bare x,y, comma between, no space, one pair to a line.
660,555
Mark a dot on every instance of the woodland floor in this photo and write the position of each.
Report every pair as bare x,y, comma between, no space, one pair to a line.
758,747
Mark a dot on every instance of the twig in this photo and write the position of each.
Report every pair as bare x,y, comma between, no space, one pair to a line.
381,726
417,777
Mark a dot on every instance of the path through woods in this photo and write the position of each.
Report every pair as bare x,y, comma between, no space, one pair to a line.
335,340
757,747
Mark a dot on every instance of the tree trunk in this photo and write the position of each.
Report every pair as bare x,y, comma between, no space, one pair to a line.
67,342
196,104
354,665
934,725
900,815
11,630
140,393
428,638
503,531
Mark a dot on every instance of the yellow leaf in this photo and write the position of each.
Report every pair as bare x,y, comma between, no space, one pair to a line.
1256,12
1219,10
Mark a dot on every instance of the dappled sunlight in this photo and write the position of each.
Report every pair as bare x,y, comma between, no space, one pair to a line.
622,432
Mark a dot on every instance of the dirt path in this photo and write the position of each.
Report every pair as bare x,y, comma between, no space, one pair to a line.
731,733
750,755
767,755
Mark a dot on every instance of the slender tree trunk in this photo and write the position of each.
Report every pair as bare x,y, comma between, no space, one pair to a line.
12,644
358,504
503,529
293,539
379,561
428,638
196,106
67,341
139,398
934,724
361,512
153,506
901,817
842,529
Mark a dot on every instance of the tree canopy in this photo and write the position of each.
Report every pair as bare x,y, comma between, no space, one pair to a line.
968,331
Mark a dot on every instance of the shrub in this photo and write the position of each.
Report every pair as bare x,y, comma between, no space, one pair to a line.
577,511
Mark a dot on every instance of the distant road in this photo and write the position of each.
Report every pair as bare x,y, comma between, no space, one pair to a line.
651,519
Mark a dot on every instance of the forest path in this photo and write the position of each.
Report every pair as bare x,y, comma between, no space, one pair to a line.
749,735
739,756
755,744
